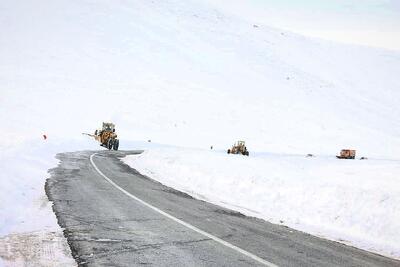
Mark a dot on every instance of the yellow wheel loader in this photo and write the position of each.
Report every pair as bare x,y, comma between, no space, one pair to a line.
239,148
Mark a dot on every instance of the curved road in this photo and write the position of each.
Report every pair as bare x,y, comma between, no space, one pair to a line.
114,216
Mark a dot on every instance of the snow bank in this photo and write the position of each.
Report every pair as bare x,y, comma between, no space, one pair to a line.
351,201
24,205
29,233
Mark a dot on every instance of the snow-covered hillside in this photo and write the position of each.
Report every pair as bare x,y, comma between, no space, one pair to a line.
181,73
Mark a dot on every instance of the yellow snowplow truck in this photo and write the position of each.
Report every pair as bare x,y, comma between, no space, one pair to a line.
107,136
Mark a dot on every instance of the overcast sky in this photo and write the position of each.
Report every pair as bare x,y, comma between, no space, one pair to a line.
368,22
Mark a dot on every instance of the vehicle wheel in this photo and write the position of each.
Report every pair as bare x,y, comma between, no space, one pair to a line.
110,144
247,153
116,144
229,151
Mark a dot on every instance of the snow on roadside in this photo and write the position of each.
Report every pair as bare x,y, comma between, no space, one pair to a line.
351,201
29,233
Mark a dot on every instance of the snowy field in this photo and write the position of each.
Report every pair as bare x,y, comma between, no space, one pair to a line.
356,202
186,73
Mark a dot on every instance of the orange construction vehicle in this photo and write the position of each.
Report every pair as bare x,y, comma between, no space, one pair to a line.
347,154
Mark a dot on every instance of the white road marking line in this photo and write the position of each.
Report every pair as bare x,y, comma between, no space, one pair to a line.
216,239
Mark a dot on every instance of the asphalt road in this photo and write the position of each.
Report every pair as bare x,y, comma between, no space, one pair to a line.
106,226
